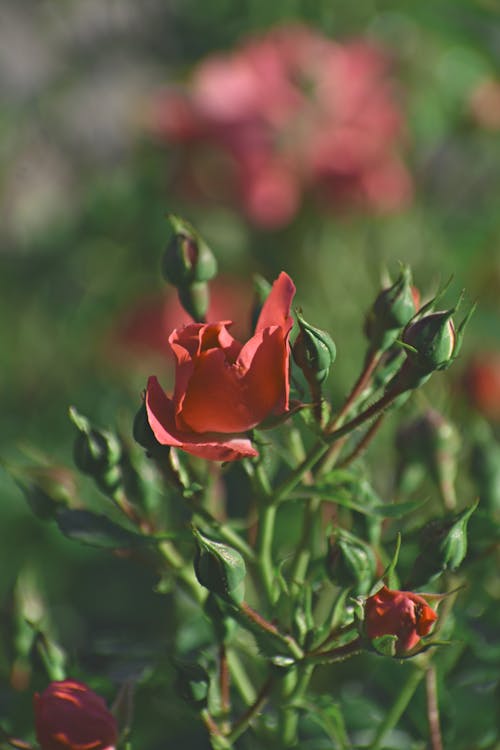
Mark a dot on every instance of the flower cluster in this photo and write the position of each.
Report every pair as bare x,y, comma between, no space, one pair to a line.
286,114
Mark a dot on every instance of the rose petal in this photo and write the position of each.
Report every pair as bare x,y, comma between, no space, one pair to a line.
265,358
211,446
276,308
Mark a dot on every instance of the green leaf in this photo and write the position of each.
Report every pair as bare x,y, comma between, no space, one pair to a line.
98,530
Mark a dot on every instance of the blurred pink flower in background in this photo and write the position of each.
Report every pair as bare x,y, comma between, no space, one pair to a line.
142,329
481,383
287,114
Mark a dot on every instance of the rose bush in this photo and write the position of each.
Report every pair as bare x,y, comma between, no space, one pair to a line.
70,716
400,613
224,388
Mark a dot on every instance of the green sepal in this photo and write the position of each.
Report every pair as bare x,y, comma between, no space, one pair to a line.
385,644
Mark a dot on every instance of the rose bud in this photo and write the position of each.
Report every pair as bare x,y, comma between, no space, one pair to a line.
70,716
392,310
443,546
314,352
401,614
223,388
187,259
220,569
431,343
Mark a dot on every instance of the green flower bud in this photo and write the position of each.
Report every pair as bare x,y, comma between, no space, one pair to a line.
350,562
392,310
193,683
187,259
195,300
313,351
96,452
431,341
220,568
443,546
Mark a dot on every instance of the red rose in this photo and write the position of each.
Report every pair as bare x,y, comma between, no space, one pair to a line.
400,613
70,716
224,388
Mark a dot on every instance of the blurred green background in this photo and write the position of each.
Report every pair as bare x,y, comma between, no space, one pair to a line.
85,191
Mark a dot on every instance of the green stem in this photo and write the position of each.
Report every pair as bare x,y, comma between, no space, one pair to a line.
240,678
321,447
183,571
304,549
264,545
244,721
398,707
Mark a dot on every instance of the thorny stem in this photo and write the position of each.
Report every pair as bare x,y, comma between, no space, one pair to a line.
433,708
269,627
224,685
243,722
363,443
371,362
321,447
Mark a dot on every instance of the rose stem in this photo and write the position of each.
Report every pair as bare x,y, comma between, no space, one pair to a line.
224,686
243,722
433,708
321,447
398,707
363,443
265,533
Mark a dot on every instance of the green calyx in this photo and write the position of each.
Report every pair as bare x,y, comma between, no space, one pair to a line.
219,568
314,351
96,452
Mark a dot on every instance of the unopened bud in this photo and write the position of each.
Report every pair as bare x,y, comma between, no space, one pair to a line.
443,546
96,452
431,341
351,562
392,310
220,569
314,351
187,259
